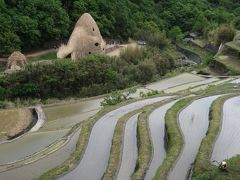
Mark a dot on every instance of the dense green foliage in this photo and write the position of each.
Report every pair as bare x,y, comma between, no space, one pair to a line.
28,24
93,75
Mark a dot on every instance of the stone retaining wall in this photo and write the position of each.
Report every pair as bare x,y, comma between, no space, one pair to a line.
189,54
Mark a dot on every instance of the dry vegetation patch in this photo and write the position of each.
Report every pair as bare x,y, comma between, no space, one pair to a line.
14,121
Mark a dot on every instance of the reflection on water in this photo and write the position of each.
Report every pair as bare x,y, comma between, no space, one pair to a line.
95,158
129,156
157,133
28,145
228,142
32,171
194,121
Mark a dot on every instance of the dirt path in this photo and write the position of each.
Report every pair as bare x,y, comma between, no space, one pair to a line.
117,51
39,53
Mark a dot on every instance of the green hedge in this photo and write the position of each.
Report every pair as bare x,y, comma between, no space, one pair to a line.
90,76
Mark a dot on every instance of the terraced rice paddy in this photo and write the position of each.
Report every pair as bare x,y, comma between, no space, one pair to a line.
193,121
157,133
129,152
228,142
102,131
92,162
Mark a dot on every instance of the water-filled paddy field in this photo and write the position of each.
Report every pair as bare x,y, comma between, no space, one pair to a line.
193,123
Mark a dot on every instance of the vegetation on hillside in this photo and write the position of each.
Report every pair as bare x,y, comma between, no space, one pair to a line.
93,75
29,24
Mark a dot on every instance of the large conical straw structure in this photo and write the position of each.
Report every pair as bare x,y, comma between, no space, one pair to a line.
85,39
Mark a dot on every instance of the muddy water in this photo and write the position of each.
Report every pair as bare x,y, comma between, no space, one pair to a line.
194,123
67,122
28,145
67,115
95,158
157,133
33,170
68,110
228,142
129,154
174,81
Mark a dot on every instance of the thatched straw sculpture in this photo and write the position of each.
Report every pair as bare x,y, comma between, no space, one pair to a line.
85,39
16,60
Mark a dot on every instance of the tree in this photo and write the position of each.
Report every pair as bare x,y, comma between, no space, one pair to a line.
9,42
200,24
236,23
27,29
175,34
225,34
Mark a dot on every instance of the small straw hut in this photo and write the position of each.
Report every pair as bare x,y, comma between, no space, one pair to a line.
16,60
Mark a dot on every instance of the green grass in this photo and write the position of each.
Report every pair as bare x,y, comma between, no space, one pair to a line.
203,169
231,63
174,140
144,146
47,56
200,42
233,45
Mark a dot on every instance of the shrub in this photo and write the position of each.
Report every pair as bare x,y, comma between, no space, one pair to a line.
236,23
158,40
132,55
147,70
113,99
90,76
225,34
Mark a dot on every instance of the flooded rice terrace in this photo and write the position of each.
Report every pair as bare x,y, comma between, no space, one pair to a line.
193,121
157,134
228,141
129,154
100,140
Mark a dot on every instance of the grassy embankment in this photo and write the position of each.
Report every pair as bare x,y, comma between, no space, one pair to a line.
174,140
144,141
116,148
203,169
231,63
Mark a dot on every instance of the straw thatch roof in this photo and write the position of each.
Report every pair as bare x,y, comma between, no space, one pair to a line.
16,60
85,39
